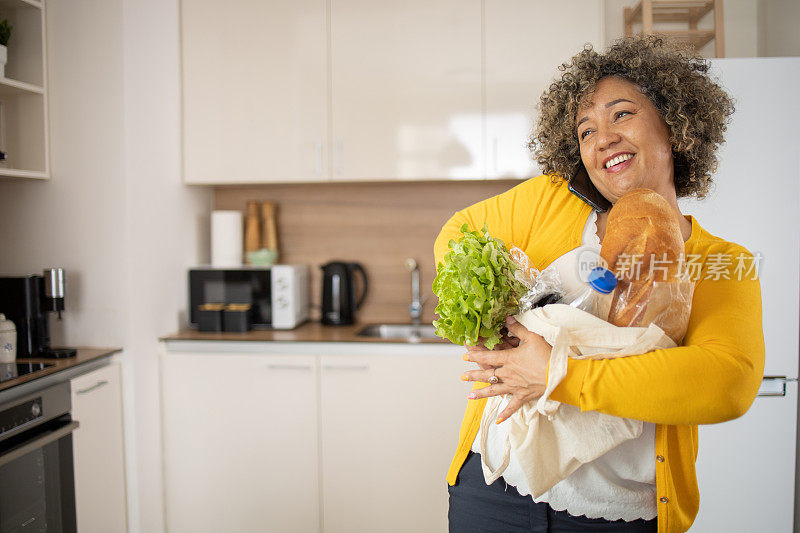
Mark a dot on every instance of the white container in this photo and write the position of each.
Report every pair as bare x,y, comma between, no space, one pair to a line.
3,60
8,340
226,238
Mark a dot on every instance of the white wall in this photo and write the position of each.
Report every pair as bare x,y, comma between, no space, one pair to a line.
115,214
76,220
167,223
778,23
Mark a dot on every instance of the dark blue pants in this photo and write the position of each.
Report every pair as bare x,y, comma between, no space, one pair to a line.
498,508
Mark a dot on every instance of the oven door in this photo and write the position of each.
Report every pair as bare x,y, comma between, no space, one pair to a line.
37,484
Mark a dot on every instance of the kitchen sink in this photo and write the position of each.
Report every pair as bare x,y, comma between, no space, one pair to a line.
404,332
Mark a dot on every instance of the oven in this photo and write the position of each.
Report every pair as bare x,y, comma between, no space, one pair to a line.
37,483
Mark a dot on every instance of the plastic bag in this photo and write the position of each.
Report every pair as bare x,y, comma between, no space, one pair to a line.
544,288
667,304
547,288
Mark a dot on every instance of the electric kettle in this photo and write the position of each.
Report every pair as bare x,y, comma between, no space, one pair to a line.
339,301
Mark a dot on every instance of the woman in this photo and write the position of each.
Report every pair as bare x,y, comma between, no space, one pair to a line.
643,114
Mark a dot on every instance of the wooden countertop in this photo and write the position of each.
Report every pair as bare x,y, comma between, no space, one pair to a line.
307,332
85,355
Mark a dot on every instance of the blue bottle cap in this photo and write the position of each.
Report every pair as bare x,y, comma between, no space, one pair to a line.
602,280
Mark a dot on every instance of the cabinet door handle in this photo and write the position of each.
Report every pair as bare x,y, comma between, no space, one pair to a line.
319,158
345,367
277,366
339,157
494,156
96,386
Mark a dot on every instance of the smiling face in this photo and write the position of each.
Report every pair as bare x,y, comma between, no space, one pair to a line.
624,141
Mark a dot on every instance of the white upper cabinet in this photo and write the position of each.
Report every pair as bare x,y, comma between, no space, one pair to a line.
406,89
354,90
525,42
254,91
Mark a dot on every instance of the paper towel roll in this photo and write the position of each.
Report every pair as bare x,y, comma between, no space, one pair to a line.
226,238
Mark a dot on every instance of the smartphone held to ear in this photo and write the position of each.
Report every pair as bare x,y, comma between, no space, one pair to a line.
581,186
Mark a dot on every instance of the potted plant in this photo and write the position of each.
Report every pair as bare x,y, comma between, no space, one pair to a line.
5,34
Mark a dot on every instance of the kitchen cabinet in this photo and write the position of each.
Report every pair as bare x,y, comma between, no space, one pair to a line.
354,90
523,48
254,91
388,428
23,93
240,442
99,454
334,437
406,89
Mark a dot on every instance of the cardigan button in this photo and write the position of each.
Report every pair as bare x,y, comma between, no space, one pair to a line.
664,499
660,458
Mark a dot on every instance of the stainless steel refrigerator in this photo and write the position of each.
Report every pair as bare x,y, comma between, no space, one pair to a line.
746,467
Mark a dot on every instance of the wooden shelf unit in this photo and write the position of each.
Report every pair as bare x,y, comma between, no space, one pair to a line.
23,93
649,12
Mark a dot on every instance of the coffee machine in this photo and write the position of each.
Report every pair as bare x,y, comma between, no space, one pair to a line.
27,301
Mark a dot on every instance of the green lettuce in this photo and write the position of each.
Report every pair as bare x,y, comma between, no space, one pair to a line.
476,288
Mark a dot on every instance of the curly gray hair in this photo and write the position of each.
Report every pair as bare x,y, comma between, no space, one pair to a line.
695,108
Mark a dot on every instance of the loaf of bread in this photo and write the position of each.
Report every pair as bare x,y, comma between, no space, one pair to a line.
643,247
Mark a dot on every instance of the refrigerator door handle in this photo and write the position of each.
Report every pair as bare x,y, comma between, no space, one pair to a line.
773,386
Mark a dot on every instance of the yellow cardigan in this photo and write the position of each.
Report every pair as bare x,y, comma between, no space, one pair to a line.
712,378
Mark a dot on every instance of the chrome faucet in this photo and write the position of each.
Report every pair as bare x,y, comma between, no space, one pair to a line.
415,309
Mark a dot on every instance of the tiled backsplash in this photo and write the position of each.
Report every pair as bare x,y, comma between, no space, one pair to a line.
376,224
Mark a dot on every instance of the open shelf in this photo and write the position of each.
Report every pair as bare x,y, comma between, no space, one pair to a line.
673,10
20,4
697,38
23,93
9,87
17,173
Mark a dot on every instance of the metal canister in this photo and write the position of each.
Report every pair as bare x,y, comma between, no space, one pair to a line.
8,340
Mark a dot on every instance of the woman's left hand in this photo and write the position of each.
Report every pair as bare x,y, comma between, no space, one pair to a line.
521,371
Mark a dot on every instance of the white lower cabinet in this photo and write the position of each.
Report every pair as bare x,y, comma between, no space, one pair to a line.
240,442
353,441
389,430
99,453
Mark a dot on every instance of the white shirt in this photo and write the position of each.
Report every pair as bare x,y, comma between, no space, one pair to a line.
620,484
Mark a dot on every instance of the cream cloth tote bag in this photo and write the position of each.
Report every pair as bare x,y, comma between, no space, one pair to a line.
549,442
